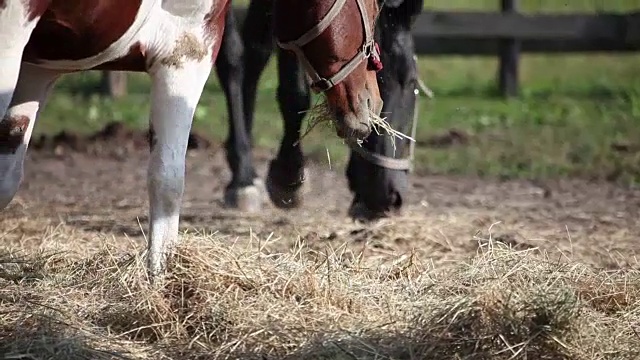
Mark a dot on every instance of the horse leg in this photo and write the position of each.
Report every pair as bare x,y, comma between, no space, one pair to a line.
258,45
31,90
12,131
241,191
286,173
257,36
17,23
175,92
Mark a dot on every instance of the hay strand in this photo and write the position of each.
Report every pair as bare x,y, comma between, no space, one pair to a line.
320,113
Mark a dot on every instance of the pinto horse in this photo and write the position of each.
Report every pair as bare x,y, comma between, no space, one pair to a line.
377,171
176,42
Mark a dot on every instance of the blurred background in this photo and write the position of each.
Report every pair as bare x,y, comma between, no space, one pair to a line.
562,99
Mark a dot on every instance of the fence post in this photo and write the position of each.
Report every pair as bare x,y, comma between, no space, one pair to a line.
114,83
509,56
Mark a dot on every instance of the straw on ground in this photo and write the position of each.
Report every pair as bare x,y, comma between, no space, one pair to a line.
225,300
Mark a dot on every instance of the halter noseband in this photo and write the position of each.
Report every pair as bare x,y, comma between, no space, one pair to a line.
369,50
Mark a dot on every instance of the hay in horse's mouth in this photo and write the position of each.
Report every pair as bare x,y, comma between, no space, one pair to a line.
320,113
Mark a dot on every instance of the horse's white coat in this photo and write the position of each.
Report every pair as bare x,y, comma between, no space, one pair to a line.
15,29
28,98
174,96
176,89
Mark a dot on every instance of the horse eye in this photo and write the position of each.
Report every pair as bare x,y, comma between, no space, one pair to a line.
334,59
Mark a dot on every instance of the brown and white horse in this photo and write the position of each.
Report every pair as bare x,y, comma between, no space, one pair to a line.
176,42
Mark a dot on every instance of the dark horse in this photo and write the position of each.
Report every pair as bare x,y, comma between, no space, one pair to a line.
377,172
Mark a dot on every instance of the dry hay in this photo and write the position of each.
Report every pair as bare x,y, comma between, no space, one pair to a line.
222,299
321,114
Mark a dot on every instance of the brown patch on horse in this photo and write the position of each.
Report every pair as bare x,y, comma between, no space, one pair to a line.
214,27
78,29
187,47
35,8
3,4
12,131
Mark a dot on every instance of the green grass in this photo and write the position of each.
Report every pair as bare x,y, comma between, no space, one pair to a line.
574,112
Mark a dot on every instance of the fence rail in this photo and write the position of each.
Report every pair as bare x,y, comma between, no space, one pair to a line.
508,33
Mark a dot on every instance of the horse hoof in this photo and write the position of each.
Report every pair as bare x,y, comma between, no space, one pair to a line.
257,182
358,211
285,196
246,199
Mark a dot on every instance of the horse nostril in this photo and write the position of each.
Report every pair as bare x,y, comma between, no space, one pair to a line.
369,103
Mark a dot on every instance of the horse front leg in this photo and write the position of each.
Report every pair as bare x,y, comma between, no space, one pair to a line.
257,37
175,92
30,94
286,175
242,192
17,22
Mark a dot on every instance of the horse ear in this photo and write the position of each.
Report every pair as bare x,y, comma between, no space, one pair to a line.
392,3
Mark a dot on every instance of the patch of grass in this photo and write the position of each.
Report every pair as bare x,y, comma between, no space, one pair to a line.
577,115
226,300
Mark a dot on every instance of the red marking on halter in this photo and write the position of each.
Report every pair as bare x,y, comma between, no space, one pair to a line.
375,63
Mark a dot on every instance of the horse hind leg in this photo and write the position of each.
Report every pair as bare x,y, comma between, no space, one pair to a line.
30,94
242,192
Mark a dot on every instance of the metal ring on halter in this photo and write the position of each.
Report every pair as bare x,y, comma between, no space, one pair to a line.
321,85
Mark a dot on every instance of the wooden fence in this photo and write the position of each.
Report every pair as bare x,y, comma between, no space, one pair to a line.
508,33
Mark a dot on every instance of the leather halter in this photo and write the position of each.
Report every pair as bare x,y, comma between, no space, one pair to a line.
368,51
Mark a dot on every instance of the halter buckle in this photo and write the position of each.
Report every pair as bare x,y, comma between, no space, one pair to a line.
372,54
321,85
368,48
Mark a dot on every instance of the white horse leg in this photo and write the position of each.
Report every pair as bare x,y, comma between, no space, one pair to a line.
175,94
16,26
9,70
15,30
17,125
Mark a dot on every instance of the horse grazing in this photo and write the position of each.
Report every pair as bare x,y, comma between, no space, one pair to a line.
377,171
176,42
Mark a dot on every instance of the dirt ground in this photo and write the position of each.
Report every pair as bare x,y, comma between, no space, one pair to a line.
100,189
